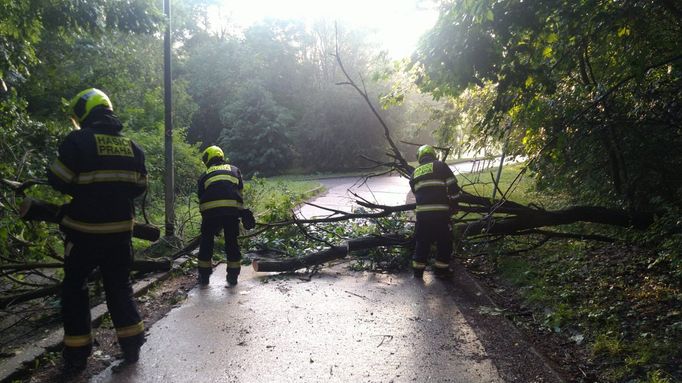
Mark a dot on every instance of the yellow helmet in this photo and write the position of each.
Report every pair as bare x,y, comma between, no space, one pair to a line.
87,100
425,150
211,153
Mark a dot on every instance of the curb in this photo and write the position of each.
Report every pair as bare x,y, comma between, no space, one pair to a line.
467,284
28,354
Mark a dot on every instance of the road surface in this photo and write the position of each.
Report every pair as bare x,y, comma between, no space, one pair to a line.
385,190
339,326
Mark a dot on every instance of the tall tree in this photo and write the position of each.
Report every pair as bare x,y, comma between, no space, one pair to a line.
590,87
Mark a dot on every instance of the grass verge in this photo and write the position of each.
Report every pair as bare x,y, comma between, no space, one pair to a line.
612,310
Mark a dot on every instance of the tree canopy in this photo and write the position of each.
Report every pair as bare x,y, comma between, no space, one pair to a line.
590,89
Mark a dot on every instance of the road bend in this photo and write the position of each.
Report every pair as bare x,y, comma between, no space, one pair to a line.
338,326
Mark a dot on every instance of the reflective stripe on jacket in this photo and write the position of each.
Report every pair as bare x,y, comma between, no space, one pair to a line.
432,182
103,171
220,190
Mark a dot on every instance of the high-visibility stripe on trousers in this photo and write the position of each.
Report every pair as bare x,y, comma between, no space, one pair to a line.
114,261
432,228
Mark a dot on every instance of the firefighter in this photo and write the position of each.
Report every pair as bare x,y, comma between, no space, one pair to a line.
221,206
432,184
103,172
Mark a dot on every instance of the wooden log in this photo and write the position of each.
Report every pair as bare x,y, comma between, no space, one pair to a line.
27,296
292,264
532,219
142,265
329,254
148,265
36,210
16,267
146,231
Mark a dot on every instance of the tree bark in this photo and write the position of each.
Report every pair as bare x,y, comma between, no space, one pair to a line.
142,265
27,296
533,218
328,254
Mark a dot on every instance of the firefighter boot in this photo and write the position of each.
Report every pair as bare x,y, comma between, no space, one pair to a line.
131,347
232,277
441,269
75,359
233,269
418,269
203,278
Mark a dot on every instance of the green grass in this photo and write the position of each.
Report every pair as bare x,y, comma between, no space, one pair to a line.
515,188
265,194
619,298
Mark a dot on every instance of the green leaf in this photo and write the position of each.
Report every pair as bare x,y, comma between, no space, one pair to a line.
624,31
547,52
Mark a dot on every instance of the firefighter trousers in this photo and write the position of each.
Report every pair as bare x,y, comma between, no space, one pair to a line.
114,261
432,227
210,226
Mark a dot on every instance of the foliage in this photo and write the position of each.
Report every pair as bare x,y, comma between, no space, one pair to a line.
256,134
269,97
26,23
590,92
23,144
591,89
621,302
273,199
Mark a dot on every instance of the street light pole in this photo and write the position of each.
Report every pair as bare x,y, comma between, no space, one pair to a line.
169,179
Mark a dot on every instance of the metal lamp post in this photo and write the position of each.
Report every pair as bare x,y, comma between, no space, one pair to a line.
169,179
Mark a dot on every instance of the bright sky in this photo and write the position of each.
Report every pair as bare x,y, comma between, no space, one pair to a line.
398,24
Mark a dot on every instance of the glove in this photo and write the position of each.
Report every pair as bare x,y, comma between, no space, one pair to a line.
454,204
248,221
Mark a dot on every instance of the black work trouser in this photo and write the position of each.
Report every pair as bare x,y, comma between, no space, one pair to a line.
210,226
432,227
114,261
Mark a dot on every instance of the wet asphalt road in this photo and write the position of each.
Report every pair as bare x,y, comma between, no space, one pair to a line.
385,190
341,327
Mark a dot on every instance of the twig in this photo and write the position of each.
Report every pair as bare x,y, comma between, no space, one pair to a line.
404,168
312,237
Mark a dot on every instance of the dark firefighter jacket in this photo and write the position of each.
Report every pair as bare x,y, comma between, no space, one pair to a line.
103,171
432,183
220,191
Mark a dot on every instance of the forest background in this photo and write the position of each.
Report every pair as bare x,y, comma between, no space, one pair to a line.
589,91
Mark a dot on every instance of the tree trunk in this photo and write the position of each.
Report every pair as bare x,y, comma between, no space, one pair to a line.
329,254
27,296
532,218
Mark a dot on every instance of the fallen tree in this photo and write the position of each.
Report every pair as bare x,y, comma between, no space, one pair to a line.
143,266
326,255
495,217
500,218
